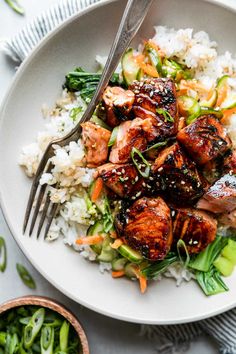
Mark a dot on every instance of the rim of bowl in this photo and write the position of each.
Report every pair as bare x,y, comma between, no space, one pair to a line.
52,305
230,7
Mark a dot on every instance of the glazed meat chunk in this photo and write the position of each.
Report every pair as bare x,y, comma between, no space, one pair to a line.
177,175
122,179
147,227
221,196
204,139
156,99
118,104
130,134
196,228
228,219
229,165
95,140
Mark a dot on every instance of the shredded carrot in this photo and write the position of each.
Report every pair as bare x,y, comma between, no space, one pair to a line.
155,46
89,240
143,283
142,280
118,242
97,189
227,115
222,94
194,85
118,274
113,234
147,68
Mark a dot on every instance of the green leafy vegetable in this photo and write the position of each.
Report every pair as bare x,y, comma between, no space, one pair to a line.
25,276
144,167
154,269
156,146
3,255
166,114
86,83
211,282
14,4
205,259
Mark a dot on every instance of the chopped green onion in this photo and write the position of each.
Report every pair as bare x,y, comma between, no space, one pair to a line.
166,114
100,122
181,246
34,326
3,255
74,112
205,259
154,269
25,276
113,137
147,165
47,340
64,333
156,146
211,282
15,6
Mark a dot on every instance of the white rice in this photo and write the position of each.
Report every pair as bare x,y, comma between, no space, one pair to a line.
195,50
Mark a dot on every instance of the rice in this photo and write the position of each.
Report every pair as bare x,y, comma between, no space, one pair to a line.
69,179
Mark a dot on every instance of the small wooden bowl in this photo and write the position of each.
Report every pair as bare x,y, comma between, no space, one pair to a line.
52,305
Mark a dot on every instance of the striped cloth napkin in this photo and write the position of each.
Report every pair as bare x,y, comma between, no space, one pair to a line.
166,339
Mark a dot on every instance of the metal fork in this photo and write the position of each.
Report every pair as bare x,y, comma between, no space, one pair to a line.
132,19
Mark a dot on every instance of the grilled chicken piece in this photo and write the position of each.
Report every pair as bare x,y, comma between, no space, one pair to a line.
95,140
221,197
230,163
196,228
176,174
118,104
130,134
154,94
204,139
147,227
123,179
228,219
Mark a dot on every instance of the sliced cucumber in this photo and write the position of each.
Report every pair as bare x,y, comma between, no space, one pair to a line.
229,102
96,229
211,102
221,82
154,57
108,254
119,264
189,107
130,270
130,69
216,112
130,254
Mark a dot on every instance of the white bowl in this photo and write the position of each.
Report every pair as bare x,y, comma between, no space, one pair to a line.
39,80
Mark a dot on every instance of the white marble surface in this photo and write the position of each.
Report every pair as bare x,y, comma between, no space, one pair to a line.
105,335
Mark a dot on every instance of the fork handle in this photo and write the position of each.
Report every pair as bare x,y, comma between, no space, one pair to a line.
132,19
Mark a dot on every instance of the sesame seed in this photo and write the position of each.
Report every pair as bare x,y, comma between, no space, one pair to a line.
190,242
136,179
195,242
182,182
138,194
160,169
113,171
144,184
123,170
118,173
151,178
